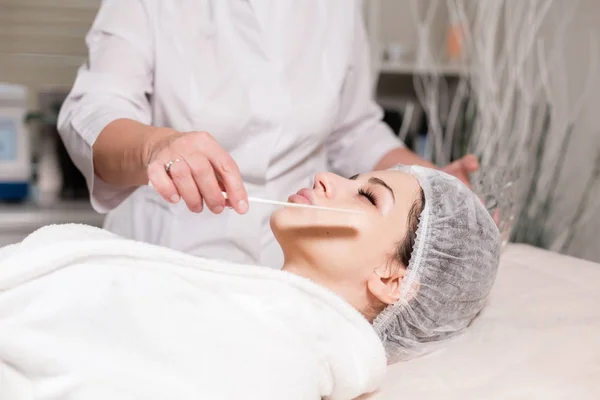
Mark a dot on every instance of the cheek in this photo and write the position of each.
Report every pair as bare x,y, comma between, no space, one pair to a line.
374,243
346,242
323,221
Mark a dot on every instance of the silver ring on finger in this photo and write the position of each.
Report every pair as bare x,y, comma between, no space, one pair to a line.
170,164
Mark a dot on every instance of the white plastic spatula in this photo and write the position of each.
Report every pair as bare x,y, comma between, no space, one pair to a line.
297,205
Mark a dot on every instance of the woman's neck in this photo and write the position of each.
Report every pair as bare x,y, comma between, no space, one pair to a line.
301,268
311,271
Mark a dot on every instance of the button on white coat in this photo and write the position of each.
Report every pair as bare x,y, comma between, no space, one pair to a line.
283,85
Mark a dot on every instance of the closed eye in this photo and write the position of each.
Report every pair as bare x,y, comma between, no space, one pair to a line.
369,195
374,181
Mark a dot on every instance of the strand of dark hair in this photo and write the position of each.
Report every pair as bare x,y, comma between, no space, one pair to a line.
406,246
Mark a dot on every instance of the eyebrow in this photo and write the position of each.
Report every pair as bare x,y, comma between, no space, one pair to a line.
376,181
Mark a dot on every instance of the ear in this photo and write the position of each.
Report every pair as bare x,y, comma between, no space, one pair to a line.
386,287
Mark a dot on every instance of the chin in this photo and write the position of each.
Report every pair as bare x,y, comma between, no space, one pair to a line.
275,221
286,219
284,225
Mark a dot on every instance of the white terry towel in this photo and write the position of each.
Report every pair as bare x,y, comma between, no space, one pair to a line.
85,314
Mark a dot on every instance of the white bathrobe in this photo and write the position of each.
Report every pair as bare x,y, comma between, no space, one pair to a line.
87,315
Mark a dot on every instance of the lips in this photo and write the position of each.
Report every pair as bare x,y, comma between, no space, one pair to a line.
304,196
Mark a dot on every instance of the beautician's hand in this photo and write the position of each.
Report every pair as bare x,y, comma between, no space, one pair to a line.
194,167
462,167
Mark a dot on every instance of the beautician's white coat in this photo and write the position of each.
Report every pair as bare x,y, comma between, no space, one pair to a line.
283,85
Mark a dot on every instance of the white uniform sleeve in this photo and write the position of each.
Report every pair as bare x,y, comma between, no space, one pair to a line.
115,83
360,138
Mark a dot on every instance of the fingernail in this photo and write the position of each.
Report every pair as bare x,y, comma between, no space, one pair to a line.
150,184
174,198
243,206
218,210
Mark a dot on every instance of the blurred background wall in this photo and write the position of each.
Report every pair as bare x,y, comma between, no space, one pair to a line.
42,41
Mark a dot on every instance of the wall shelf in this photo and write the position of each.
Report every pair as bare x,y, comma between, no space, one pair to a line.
375,19
411,68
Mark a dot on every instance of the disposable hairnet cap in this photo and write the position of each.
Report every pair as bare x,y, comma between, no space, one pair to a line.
451,271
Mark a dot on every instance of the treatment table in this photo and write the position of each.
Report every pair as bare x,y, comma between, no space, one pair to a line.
539,338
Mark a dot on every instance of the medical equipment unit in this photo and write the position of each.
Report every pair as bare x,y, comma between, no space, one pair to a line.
15,160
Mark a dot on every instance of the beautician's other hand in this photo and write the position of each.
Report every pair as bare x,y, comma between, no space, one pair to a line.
200,169
462,167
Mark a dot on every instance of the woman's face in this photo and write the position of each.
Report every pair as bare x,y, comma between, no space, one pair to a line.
351,254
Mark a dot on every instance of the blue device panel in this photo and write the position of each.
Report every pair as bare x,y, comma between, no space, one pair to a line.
8,140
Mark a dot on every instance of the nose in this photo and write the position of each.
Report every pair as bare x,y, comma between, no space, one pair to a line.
327,183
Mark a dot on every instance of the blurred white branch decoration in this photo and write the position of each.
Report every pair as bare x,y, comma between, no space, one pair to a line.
430,89
512,105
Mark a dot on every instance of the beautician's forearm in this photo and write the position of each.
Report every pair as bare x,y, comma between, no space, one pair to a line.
121,151
401,155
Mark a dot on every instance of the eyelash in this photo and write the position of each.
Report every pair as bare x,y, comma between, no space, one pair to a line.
369,195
